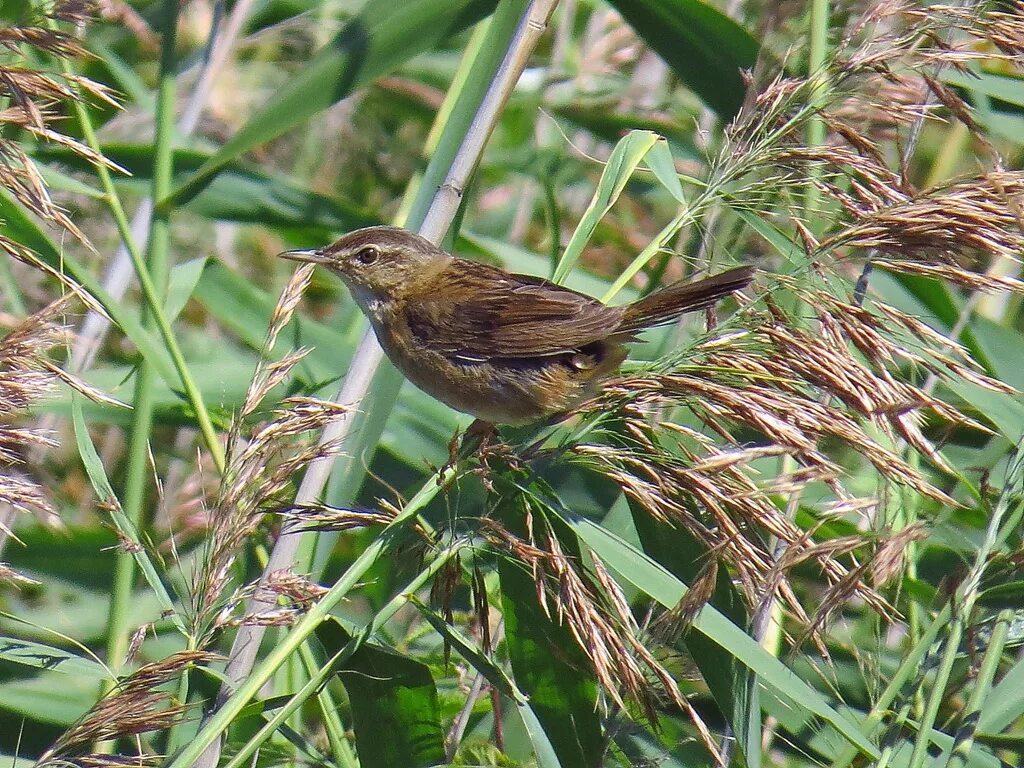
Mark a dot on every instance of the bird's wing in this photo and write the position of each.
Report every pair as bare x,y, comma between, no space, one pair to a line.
478,312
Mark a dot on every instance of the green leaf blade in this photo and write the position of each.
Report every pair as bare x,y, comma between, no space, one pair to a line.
704,47
383,35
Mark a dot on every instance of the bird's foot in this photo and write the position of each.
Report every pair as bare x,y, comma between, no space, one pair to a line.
476,439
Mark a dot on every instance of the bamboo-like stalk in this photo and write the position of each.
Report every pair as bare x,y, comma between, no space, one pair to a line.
311,554
435,222
924,728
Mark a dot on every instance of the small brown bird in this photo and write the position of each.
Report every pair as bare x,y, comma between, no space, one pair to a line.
506,348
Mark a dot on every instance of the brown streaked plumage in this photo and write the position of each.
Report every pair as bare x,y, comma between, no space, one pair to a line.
506,348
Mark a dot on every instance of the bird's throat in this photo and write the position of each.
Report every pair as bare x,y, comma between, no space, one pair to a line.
374,307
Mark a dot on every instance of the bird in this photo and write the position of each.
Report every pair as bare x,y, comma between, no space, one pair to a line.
506,348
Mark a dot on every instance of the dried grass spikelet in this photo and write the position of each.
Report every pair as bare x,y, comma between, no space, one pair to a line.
33,100
262,465
101,760
722,510
884,74
10,576
120,12
889,559
592,606
900,34
289,595
888,337
942,232
25,255
26,375
886,561
779,389
870,383
135,706
673,623
322,517
877,113
1000,24
953,231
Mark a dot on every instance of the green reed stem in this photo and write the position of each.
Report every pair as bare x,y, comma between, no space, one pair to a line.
938,692
144,399
341,750
150,294
982,685
905,673
816,58
316,680
995,533
320,612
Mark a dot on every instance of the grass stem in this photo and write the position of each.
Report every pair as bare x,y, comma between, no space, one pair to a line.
144,399
150,293
816,61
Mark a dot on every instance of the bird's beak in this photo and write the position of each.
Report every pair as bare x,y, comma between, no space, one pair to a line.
307,256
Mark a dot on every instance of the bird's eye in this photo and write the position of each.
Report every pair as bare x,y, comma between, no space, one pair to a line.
367,255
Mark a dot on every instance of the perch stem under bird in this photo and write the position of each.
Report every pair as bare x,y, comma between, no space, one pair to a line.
506,348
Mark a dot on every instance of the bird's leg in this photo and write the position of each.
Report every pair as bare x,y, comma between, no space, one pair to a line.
478,435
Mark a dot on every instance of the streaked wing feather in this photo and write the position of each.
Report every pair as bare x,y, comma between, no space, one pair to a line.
486,313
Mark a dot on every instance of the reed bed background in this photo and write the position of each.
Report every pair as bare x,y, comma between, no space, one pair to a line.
787,534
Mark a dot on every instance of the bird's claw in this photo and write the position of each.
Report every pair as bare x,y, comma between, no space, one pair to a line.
475,440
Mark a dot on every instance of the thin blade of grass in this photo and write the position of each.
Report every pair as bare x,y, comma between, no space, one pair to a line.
101,484
622,162
658,583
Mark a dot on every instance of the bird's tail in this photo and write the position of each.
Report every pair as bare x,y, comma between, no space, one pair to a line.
667,304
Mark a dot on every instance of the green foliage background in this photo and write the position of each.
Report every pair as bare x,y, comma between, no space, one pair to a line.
327,116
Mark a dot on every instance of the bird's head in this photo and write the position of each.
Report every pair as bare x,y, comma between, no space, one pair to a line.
378,264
